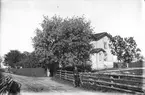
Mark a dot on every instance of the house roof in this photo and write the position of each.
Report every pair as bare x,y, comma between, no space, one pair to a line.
97,50
98,36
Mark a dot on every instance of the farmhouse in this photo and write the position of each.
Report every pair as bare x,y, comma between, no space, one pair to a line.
101,56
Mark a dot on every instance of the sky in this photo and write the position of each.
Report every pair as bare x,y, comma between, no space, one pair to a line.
20,18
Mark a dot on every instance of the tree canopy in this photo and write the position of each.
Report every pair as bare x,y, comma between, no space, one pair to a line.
12,57
30,60
16,59
124,48
64,41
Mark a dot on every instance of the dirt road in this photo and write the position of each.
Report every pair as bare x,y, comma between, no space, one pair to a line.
47,86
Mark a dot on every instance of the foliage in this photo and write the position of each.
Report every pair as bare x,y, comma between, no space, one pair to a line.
80,68
124,48
12,57
30,60
63,41
139,57
1,59
16,59
1,73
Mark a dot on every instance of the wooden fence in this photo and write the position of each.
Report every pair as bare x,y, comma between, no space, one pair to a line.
4,84
126,83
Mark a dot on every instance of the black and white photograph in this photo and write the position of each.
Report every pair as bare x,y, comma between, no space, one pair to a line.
72,47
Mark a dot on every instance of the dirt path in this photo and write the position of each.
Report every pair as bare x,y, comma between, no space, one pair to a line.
47,86
39,84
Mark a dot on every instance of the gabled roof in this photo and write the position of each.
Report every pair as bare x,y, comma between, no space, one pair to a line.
97,50
98,36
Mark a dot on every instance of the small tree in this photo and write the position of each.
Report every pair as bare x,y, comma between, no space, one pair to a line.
124,48
62,41
12,57
139,57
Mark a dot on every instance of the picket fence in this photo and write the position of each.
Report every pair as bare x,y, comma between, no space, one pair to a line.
120,82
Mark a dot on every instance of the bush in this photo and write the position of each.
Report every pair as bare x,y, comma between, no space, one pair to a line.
130,65
2,70
80,68
115,65
1,75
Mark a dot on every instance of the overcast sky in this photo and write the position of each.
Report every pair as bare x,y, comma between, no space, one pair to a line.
20,18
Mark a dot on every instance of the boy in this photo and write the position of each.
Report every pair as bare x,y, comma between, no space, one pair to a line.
76,77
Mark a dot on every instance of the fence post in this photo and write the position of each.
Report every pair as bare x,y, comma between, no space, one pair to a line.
111,81
81,77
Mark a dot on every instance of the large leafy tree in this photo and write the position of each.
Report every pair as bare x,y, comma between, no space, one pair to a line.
12,57
63,41
124,48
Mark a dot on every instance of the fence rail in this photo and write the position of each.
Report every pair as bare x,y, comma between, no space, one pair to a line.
126,83
4,83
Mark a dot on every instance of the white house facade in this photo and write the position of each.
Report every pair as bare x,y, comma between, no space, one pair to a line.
101,56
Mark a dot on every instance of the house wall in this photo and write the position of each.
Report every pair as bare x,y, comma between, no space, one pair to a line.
93,59
98,61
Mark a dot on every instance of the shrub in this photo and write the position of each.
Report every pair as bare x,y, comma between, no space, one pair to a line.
80,68
1,75
2,70
130,65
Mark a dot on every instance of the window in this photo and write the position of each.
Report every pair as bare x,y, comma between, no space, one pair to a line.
105,45
100,56
105,56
